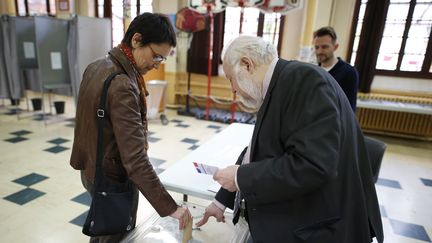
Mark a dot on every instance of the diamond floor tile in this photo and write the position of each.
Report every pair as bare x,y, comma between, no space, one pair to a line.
159,170
214,127
190,140
409,230
193,147
80,220
56,149
58,141
30,179
389,183
153,139
24,196
156,162
83,198
21,132
15,139
426,182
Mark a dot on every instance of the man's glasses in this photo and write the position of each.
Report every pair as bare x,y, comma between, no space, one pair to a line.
157,57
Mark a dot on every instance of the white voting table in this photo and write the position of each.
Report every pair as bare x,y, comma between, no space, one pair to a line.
222,150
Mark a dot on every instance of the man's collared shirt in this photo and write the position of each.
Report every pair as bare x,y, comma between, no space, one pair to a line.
246,157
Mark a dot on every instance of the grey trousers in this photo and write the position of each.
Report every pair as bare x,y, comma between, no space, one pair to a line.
109,238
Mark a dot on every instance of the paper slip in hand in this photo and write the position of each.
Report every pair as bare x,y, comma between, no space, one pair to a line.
205,169
187,232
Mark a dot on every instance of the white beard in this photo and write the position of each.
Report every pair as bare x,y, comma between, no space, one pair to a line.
254,102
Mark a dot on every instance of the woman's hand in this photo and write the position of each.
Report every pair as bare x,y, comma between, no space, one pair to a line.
183,215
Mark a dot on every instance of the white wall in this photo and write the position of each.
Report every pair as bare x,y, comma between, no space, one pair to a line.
291,39
341,20
398,84
168,7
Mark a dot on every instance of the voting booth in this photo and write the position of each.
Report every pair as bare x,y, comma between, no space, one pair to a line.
14,39
48,56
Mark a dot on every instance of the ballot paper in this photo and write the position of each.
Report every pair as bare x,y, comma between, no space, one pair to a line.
205,169
187,232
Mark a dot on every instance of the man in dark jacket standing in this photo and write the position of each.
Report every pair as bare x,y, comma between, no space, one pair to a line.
306,175
325,44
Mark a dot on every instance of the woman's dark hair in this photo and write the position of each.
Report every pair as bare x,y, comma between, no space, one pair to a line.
153,27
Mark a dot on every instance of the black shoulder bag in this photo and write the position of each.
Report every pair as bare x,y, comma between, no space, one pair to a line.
111,207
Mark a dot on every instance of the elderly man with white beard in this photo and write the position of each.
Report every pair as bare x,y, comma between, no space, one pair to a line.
305,176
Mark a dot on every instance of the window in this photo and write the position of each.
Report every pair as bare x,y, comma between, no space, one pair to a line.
140,6
21,8
272,25
417,38
117,22
99,8
35,7
358,30
404,43
114,9
253,23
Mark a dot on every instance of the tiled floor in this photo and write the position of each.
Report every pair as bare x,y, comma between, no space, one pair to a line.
42,199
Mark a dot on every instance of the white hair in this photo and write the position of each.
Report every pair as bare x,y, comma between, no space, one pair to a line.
256,48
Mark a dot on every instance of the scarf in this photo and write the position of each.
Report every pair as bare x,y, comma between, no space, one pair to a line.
141,83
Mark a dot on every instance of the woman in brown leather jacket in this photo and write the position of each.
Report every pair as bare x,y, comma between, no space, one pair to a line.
146,44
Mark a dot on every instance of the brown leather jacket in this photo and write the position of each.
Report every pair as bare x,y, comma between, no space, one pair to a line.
125,136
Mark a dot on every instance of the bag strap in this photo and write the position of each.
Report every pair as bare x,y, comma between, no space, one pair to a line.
100,138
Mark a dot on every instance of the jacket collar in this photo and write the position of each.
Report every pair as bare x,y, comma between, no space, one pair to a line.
119,57
262,111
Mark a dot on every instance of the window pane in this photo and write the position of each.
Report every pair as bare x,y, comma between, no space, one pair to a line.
387,61
397,13
353,58
392,37
117,22
37,7
418,38
390,45
271,28
356,43
394,30
362,11
21,8
232,23
250,21
412,62
146,6
423,12
416,46
52,7
133,12
271,24
100,11
358,31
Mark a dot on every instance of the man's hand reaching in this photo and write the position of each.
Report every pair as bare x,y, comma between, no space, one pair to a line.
212,210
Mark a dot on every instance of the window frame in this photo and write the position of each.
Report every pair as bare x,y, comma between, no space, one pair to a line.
49,11
424,73
260,28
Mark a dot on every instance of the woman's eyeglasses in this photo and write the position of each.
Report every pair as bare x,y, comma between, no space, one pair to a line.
157,57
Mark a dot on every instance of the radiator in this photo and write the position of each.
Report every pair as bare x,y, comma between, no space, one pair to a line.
395,123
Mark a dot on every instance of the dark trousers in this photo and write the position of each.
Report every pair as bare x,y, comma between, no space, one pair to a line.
88,185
